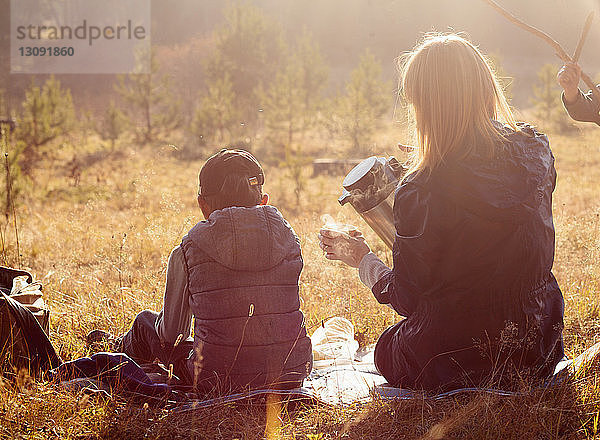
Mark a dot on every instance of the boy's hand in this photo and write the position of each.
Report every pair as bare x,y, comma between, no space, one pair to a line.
348,248
568,77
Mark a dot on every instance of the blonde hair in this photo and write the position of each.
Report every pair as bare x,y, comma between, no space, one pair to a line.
455,97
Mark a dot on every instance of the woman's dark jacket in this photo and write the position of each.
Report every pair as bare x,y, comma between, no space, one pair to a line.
585,108
472,272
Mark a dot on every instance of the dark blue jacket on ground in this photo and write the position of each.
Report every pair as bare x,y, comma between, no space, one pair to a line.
472,272
112,370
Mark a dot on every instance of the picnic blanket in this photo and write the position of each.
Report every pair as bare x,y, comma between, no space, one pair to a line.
342,375
347,383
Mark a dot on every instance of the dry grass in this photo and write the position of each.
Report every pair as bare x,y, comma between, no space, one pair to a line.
100,246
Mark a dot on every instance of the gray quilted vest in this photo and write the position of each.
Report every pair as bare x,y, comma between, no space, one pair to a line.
243,266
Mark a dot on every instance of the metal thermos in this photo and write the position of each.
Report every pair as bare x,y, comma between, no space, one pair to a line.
370,187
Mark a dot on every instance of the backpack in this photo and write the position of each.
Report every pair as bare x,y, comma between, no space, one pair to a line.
25,344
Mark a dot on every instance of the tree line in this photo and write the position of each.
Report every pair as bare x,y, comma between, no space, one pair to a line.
258,86
261,91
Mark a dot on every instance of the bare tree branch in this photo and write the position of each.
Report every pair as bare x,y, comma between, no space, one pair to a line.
562,54
584,32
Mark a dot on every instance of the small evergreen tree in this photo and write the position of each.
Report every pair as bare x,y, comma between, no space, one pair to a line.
291,105
285,120
112,125
216,116
357,114
249,46
313,78
283,105
293,100
547,103
13,182
86,125
47,113
546,93
148,95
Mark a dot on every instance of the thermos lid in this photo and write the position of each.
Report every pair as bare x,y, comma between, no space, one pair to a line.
361,176
370,182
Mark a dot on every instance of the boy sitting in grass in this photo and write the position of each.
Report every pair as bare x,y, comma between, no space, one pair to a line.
237,274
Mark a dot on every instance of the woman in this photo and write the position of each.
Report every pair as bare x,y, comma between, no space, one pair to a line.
474,240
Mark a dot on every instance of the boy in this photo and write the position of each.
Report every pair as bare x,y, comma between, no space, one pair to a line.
581,107
237,274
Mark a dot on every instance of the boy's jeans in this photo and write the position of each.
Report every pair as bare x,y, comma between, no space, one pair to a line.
142,344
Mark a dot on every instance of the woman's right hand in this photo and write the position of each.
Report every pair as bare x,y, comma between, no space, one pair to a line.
348,248
568,77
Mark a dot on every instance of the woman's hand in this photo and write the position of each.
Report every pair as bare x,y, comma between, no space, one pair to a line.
349,248
568,77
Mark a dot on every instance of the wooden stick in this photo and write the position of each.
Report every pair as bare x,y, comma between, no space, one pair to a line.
541,34
584,32
562,54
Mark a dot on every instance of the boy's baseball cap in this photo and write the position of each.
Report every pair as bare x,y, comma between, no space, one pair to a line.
226,162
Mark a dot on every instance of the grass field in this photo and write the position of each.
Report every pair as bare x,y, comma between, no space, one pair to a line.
98,236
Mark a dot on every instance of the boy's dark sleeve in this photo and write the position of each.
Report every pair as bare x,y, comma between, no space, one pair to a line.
584,109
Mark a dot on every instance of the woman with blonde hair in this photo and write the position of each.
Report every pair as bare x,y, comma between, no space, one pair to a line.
474,242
